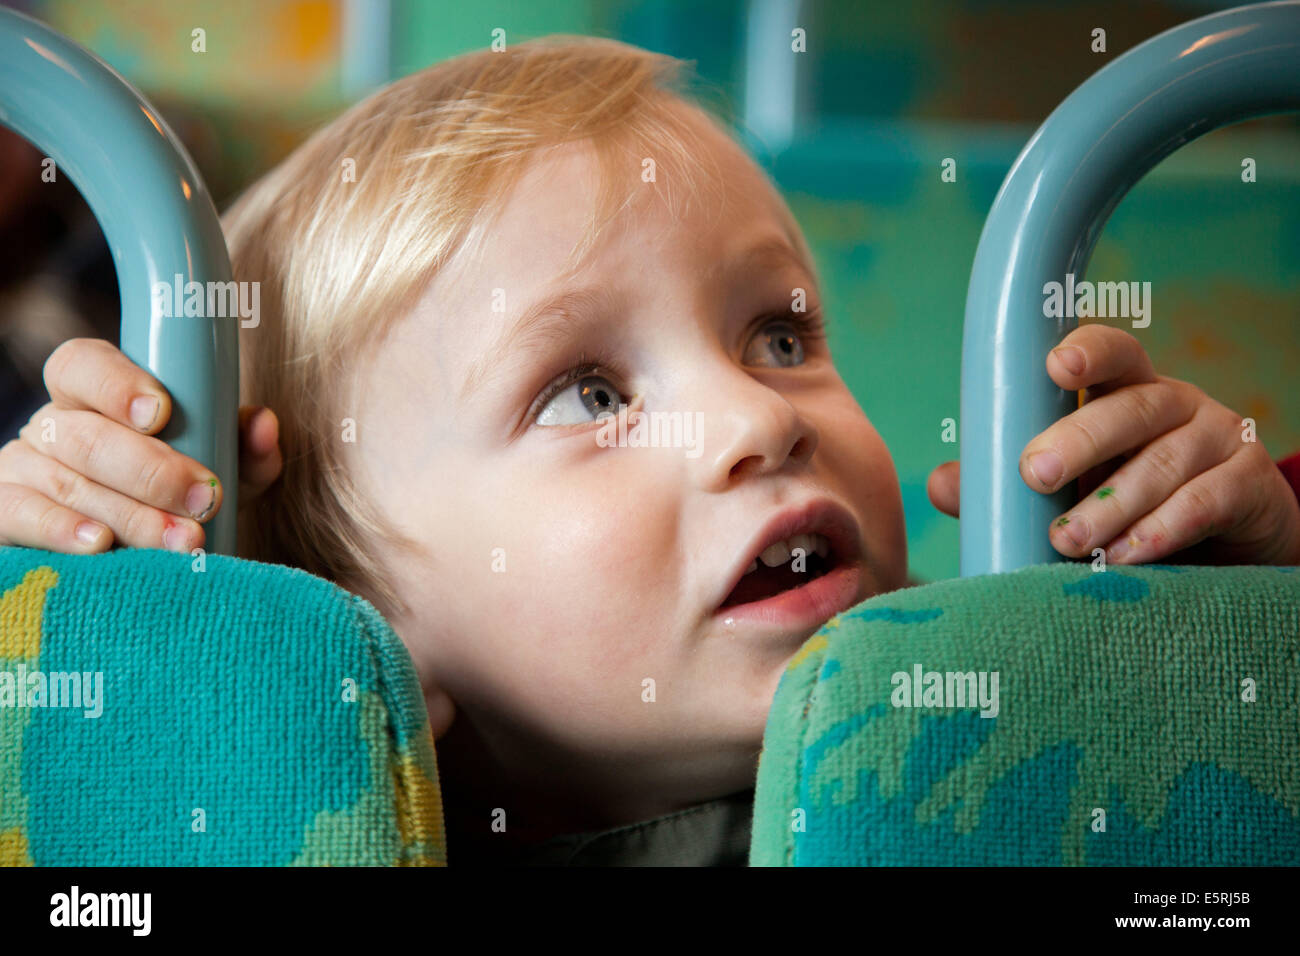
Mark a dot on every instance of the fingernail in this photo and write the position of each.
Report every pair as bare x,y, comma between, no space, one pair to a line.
1075,528
1046,467
144,409
200,498
175,538
1121,547
89,531
1072,358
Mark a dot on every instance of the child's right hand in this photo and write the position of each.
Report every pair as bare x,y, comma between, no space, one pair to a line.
85,471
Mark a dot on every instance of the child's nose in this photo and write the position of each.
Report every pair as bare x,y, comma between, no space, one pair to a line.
749,429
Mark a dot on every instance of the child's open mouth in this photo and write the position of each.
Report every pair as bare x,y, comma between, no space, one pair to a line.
772,574
802,569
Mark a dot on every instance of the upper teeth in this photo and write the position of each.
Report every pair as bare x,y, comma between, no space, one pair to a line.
780,552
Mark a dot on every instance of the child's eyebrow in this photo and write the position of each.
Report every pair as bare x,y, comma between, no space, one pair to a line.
550,319
769,252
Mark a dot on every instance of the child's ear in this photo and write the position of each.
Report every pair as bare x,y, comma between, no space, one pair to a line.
442,711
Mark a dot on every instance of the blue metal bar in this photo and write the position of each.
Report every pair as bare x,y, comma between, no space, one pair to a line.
1091,150
159,221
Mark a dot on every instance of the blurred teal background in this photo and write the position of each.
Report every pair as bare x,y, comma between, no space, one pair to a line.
854,132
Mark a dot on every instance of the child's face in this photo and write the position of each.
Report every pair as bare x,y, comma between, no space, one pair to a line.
557,575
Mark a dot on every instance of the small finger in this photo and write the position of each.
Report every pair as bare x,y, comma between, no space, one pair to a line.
1101,359
1208,505
944,488
1136,487
92,375
131,523
260,459
30,520
1104,429
141,467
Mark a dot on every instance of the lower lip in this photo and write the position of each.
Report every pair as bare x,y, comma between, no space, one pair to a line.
800,608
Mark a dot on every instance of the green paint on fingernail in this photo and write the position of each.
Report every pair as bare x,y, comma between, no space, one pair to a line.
212,482
1105,492
1063,520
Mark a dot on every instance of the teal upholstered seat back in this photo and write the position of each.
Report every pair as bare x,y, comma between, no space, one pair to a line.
156,711
1137,716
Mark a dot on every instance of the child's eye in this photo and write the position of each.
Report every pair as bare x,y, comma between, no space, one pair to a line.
582,395
782,339
579,399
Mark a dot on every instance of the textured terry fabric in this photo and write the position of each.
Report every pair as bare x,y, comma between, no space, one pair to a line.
714,833
252,714
1125,733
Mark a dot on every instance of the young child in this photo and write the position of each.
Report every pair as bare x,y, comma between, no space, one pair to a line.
462,278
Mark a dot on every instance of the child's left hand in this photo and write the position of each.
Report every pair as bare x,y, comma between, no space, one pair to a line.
1162,466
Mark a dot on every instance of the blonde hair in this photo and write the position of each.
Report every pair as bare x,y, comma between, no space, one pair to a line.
338,260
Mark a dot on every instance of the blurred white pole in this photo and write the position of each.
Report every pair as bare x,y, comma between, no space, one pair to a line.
771,70
366,57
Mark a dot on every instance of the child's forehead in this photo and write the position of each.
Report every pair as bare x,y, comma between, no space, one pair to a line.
587,196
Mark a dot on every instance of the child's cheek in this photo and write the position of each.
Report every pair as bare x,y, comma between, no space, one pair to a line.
593,581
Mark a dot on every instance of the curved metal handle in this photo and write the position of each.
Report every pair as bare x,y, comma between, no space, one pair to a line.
1102,139
159,222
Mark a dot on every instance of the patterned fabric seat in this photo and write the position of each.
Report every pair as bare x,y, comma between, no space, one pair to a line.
156,710
1141,715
